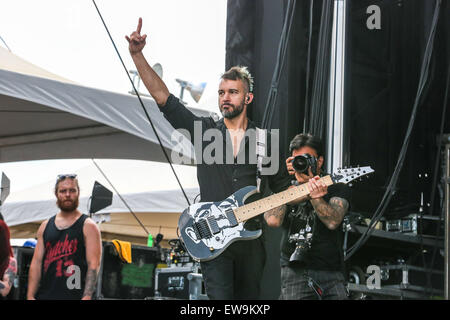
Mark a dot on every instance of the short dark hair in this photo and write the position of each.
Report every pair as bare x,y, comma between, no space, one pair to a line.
306,140
240,73
60,180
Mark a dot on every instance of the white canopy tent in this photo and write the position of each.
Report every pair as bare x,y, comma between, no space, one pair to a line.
44,116
147,188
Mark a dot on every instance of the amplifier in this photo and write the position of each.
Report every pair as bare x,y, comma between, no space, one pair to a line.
414,224
119,280
179,283
23,256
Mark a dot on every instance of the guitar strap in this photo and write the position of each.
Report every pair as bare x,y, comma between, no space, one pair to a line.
261,152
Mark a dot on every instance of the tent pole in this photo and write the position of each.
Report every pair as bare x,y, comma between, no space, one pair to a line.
335,141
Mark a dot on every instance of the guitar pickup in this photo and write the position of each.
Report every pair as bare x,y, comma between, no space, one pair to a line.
231,217
213,224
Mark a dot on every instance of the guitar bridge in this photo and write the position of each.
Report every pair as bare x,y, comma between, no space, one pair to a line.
201,229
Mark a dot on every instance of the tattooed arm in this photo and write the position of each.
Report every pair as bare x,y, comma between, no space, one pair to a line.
91,281
332,213
93,256
8,278
275,216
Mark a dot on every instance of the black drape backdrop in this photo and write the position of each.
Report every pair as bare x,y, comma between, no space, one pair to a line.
382,74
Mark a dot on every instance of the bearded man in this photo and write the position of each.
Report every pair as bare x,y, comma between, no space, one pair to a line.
67,256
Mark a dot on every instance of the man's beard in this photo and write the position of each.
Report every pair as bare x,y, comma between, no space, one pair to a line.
67,207
234,112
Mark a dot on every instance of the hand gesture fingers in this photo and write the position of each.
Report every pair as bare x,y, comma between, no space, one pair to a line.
139,26
135,40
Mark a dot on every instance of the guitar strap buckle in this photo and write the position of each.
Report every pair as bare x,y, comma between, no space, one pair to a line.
261,152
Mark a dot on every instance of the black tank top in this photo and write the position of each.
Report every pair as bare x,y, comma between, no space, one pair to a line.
63,248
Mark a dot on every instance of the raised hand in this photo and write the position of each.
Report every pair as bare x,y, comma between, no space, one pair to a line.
135,40
289,166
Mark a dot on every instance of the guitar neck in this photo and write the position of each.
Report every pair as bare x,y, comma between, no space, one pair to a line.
258,207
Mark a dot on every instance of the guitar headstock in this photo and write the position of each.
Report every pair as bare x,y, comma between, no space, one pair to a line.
346,175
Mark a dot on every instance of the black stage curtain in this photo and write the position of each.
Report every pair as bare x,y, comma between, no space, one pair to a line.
383,69
382,77
383,81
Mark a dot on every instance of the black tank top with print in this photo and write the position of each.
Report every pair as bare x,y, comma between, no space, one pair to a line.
64,264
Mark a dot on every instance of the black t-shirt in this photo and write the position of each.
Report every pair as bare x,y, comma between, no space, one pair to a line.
218,181
326,245
63,248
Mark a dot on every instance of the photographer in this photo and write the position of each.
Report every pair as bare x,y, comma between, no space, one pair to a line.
311,244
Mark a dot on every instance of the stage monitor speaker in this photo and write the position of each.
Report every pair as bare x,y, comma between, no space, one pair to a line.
5,186
100,199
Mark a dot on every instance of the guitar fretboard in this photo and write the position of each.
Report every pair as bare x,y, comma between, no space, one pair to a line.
255,208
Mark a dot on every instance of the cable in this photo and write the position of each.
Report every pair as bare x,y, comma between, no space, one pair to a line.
121,198
308,65
5,44
281,55
88,204
393,181
319,95
395,175
142,104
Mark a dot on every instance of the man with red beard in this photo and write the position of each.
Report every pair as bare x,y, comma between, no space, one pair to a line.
237,272
67,256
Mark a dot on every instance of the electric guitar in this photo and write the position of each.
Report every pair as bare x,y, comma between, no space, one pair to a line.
208,228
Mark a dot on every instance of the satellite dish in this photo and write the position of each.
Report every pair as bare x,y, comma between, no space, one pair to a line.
157,67
5,186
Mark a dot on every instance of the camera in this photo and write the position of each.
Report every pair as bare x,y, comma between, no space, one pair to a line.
302,162
302,241
300,253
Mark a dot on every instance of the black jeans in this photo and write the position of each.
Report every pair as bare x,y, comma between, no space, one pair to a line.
298,284
236,273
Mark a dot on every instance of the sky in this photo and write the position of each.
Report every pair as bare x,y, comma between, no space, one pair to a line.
187,37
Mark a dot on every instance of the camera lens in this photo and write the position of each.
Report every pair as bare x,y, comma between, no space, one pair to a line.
300,164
